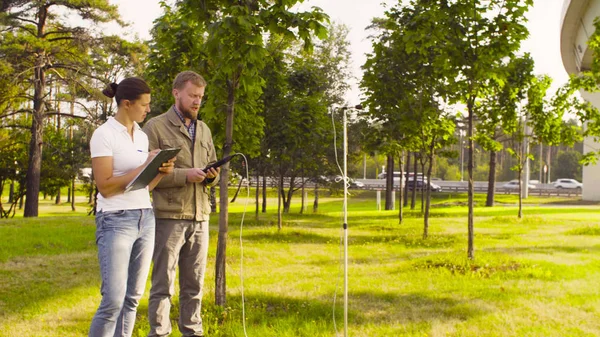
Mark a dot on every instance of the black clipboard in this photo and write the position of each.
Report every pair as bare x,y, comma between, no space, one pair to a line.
151,170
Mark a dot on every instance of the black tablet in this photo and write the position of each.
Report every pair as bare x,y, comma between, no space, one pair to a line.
151,170
217,163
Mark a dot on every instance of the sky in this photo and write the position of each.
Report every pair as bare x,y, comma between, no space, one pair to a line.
543,43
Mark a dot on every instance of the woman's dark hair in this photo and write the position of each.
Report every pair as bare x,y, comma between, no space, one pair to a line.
130,89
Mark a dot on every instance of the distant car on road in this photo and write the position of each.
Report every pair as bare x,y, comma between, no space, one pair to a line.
514,185
420,185
383,175
351,182
567,183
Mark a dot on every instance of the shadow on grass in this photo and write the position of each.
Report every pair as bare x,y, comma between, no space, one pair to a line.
543,249
409,308
289,220
26,283
269,315
408,240
46,236
588,230
288,236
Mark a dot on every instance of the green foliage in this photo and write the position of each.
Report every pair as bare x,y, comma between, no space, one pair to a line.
445,171
566,102
177,39
46,50
481,172
62,159
13,164
567,164
498,110
300,88
224,42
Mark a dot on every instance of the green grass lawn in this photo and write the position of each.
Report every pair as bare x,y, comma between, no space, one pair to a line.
537,276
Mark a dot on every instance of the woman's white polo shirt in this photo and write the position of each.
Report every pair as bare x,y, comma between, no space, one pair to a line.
111,139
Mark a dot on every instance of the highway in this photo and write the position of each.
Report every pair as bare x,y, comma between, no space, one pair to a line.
479,187
447,186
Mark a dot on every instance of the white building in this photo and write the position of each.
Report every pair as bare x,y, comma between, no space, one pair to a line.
576,28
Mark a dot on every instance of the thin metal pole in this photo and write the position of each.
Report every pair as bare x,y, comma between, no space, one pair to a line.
345,226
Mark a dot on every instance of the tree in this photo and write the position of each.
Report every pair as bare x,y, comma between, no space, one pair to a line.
566,102
387,85
471,38
405,93
13,142
176,44
46,45
301,86
568,165
499,108
233,55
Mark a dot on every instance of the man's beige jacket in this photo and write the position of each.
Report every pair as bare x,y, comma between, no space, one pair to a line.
173,197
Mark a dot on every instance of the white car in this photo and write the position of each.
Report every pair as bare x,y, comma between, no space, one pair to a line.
514,185
567,183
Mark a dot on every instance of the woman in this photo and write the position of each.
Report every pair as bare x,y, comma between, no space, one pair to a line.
124,220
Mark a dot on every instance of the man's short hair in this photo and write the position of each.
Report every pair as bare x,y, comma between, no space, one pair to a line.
188,76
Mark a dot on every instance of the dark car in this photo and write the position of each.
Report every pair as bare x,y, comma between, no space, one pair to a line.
420,185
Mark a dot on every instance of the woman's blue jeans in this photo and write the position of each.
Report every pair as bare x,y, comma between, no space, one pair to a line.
125,242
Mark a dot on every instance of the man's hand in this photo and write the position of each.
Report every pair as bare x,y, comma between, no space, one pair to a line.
213,173
195,175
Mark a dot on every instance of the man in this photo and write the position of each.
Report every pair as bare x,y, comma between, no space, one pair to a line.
181,206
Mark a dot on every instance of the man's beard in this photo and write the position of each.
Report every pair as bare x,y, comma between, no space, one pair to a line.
187,113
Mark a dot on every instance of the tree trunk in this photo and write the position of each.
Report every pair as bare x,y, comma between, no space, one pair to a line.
21,192
73,194
57,199
257,192
423,162
37,124
220,267
237,191
290,193
303,201
548,158
264,194
520,176
316,202
279,197
427,189
471,189
413,197
541,157
91,189
405,179
389,183
400,189
491,192
37,139
213,199
11,192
